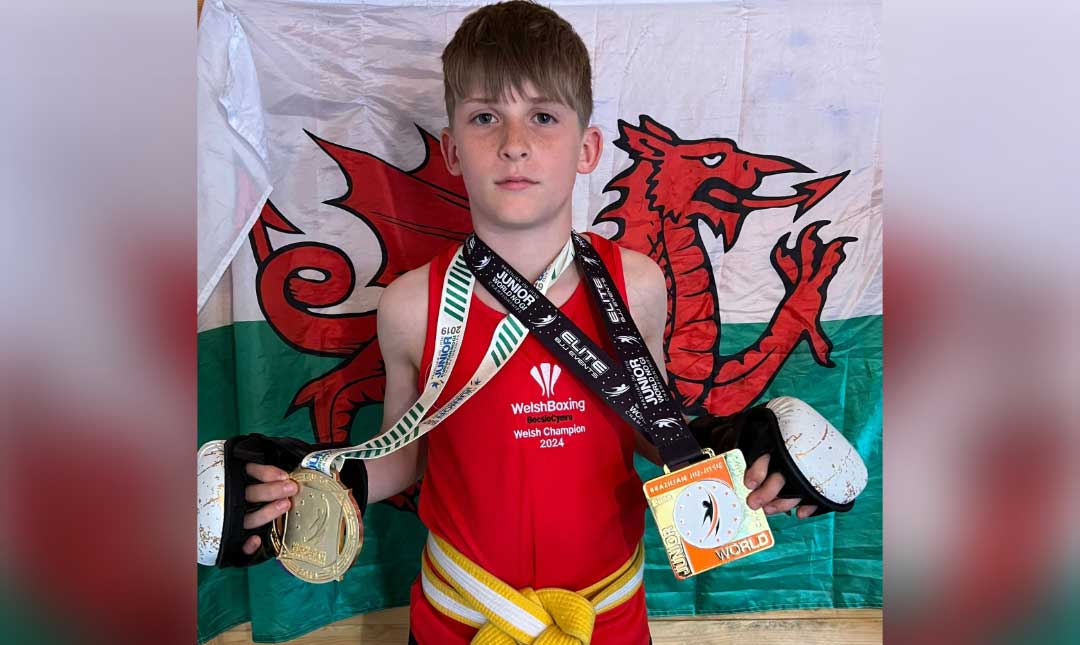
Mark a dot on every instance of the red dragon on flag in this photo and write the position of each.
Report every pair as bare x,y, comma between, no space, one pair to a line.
673,184
670,186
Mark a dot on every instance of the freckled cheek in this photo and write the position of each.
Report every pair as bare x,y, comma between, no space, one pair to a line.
549,145
476,157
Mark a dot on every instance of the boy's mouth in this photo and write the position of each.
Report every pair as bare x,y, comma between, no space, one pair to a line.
515,183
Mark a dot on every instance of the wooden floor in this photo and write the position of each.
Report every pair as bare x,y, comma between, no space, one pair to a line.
819,626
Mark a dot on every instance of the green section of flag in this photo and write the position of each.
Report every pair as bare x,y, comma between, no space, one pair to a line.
828,561
255,398
27,617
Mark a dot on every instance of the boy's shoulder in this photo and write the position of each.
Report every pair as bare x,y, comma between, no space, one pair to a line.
640,271
646,290
637,262
402,315
634,263
405,289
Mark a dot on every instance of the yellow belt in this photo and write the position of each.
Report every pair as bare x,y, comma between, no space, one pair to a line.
504,615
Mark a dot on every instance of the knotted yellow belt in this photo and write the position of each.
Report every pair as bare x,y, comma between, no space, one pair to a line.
505,615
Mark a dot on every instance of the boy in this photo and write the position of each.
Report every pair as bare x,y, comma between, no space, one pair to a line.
533,512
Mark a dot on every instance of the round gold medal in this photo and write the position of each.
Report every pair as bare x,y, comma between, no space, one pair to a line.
318,539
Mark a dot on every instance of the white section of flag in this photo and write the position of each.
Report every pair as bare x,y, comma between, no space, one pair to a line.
797,80
233,152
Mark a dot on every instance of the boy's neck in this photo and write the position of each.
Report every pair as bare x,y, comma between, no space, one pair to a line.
528,251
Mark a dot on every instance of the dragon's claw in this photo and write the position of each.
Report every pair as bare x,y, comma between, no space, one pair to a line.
820,346
806,271
785,264
334,398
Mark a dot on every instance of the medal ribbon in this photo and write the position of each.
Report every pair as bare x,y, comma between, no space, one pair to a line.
631,386
458,286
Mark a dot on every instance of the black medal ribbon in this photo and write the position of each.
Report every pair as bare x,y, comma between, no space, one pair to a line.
631,386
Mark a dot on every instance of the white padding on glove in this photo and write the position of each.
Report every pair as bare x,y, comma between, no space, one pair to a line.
823,455
211,510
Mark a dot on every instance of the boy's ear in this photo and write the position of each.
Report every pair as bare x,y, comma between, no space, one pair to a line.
592,144
449,152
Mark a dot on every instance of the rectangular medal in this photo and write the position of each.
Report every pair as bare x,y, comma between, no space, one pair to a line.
702,515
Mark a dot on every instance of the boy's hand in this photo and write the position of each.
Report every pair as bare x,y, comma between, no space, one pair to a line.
254,471
764,494
276,491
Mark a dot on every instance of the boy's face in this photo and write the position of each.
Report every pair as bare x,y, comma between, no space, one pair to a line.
518,156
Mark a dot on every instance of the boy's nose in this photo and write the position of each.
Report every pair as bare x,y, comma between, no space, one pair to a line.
514,147
514,153
514,150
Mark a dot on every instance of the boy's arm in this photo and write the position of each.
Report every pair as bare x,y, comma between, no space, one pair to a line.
402,325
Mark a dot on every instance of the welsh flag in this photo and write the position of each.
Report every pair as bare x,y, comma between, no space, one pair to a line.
320,181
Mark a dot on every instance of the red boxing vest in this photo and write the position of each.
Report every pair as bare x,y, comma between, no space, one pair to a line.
533,478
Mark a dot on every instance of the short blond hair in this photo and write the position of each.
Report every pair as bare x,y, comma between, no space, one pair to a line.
500,47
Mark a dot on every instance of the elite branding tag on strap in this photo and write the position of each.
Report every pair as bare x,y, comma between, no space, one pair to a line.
695,480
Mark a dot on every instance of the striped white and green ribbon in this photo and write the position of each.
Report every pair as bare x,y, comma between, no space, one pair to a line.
457,291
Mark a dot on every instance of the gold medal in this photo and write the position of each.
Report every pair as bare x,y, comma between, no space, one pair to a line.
702,515
318,539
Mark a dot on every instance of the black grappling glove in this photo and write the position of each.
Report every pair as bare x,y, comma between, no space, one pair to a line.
817,462
282,452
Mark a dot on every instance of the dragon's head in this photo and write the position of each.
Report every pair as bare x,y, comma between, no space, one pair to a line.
709,179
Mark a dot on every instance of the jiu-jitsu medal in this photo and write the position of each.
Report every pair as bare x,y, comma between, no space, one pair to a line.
702,515
318,539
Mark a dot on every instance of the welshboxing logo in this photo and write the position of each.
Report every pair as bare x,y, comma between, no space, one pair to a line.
546,377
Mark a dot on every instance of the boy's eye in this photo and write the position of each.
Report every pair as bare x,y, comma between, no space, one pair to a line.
484,118
543,118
